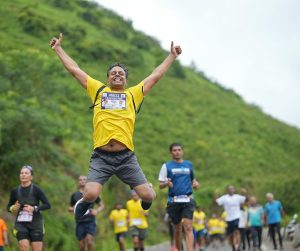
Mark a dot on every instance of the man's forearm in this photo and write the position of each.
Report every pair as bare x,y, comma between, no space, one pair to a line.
160,70
67,61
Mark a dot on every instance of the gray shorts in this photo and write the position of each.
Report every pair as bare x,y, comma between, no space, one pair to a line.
123,164
141,233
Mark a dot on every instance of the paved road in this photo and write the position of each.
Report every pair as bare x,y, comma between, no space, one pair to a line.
265,247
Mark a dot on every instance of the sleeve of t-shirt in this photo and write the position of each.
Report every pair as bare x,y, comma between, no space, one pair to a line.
192,172
220,201
42,197
72,201
12,198
242,199
280,205
92,87
163,173
137,93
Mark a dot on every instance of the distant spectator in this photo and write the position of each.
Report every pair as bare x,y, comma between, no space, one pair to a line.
273,215
3,234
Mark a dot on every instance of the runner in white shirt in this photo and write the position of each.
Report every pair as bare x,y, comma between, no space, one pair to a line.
231,203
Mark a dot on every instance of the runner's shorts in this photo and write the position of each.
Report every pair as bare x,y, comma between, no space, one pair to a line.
120,235
178,211
84,228
139,232
232,226
32,231
123,164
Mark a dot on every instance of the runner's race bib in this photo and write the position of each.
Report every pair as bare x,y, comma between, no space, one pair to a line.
113,101
25,216
121,223
137,222
181,199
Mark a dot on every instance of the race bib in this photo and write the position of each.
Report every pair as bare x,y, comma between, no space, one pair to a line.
113,101
121,223
199,222
181,199
137,222
25,216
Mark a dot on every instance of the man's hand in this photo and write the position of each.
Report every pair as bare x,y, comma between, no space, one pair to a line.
28,208
56,42
169,183
93,212
195,184
175,50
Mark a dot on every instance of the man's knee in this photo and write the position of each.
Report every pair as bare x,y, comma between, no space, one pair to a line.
91,191
145,192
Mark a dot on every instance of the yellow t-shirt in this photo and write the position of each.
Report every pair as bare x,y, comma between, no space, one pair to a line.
119,218
223,215
198,220
136,216
222,227
114,114
213,226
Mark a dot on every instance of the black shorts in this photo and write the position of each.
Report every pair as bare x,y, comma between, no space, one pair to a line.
32,231
120,235
178,211
84,228
232,226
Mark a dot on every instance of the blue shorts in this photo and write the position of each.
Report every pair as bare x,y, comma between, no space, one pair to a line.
200,233
84,228
232,226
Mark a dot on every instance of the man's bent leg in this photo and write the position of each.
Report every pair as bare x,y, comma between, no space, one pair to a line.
146,193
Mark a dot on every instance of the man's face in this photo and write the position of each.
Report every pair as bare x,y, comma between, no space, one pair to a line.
25,175
270,197
117,77
230,190
82,181
177,152
134,196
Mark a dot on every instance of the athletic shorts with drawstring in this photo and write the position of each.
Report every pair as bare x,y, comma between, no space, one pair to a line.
123,164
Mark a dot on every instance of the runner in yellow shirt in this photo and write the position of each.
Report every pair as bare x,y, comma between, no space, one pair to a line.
137,221
199,228
213,226
119,219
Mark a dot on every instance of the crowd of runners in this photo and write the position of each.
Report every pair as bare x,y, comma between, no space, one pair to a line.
114,109
241,221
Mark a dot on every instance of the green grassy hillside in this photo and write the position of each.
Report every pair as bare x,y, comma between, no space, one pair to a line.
45,120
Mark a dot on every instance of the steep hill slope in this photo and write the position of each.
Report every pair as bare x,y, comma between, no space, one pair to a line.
45,119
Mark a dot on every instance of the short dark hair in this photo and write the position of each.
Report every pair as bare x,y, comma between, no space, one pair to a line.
175,144
120,65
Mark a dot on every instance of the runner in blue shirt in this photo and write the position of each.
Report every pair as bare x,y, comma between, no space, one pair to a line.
273,214
178,176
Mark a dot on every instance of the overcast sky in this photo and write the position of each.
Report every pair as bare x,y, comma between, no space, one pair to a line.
251,46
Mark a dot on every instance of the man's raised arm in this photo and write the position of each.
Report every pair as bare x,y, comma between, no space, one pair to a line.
68,62
159,71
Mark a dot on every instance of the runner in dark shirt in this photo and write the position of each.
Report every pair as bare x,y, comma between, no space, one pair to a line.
85,226
24,202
